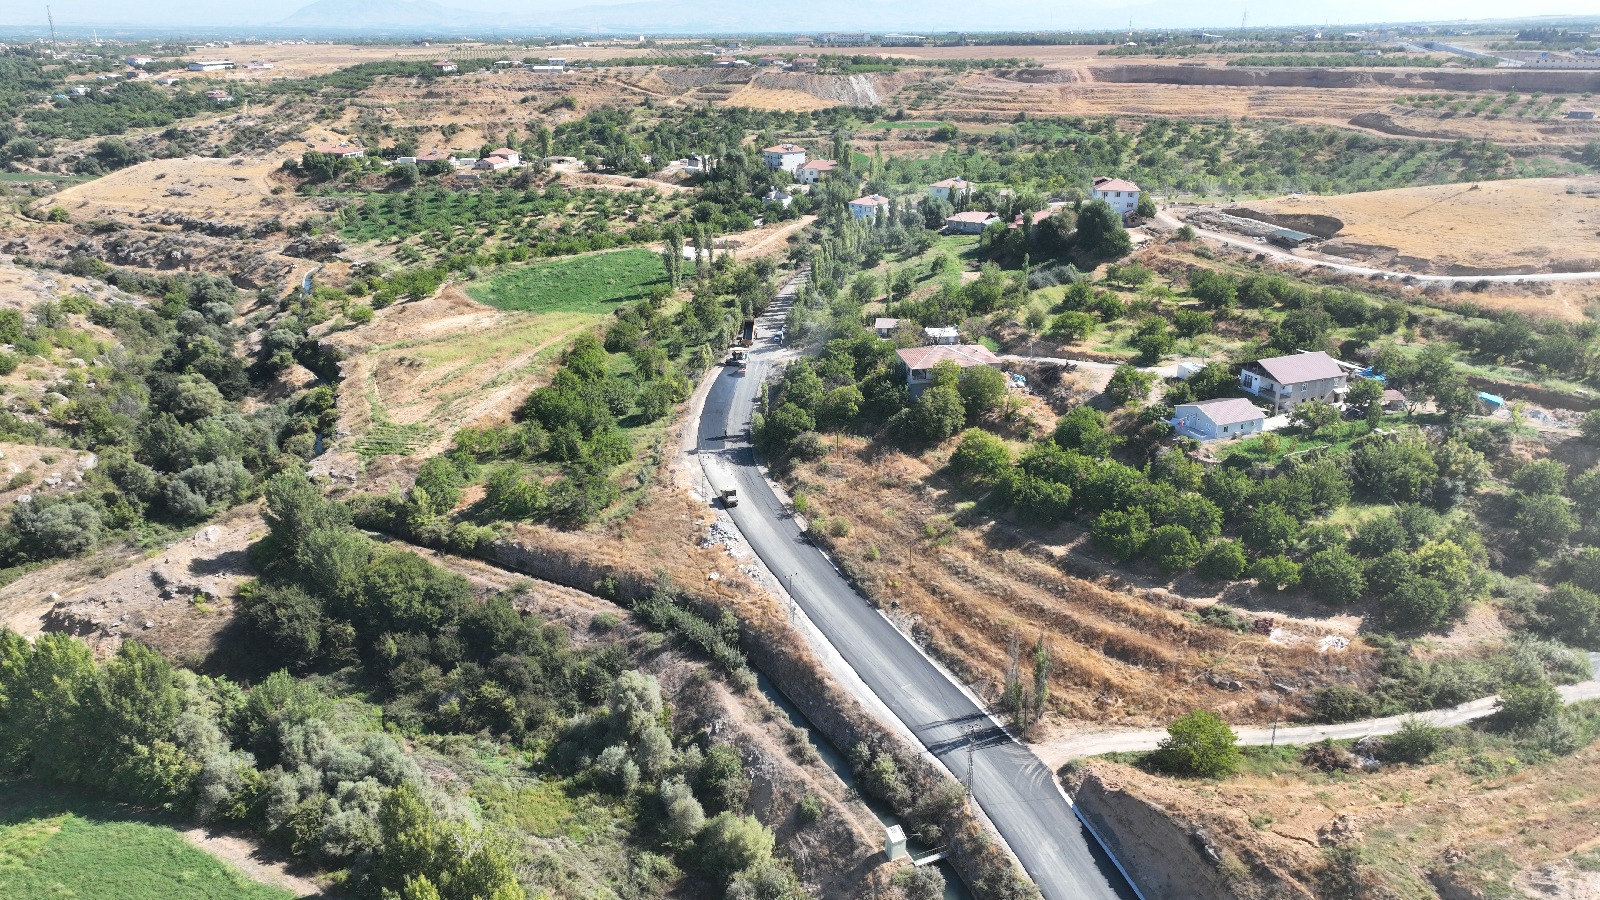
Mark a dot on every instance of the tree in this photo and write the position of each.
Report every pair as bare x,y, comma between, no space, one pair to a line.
982,389
1394,467
1100,232
1525,705
1366,397
1313,416
1591,420
1275,572
1122,534
1269,529
1416,604
731,843
1222,561
1543,521
1572,615
1071,327
1086,430
1214,289
1172,547
981,457
1198,745
935,416
1545,476
1333,576
1128,385
1146,208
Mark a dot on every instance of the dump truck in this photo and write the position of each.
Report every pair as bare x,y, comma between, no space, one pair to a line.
738,357
723,487
747,333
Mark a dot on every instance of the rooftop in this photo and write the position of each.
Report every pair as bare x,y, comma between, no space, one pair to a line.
784,148
1298,367
1227,411
957,181
821,165
1114,184
870,200
971,215
963,355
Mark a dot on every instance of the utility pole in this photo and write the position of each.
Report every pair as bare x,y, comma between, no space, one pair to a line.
54,47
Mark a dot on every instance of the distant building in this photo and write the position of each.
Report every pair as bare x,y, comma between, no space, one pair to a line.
805,41
804,64
787,157
770,61
867,207
1288,381
948,337
903,40
219,96
344,150
258,64
782,198
970,222
546,69
506,153
1122,195
1208,420
1580,113
950,189
919,362
140,60
813,171
79,90
724,61
843,39
211,65
444,66
555,60
884,327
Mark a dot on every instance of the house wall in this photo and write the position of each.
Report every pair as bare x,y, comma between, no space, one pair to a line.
785,161
1287,397
1124,202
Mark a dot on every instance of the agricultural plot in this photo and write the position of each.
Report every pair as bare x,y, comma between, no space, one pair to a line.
54,847
591,285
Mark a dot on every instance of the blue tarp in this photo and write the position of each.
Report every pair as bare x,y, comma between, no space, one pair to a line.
1491,399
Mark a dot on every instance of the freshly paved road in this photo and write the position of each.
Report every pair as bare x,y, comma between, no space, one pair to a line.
1014,789
1093,743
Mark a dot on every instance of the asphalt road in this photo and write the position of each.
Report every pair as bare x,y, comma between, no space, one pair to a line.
1013,787
1095,743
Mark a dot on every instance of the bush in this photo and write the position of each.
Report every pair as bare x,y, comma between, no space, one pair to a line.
1222,561
981,457
1276,572
1122,533
1198,745
1333,576
1525,705
1128,385
1341,703
731,843
1571,614
1415,742
1172,547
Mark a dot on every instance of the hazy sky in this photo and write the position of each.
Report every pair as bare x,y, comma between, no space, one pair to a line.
931,14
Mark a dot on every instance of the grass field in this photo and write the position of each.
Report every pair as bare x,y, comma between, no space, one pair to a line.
53,846
592,284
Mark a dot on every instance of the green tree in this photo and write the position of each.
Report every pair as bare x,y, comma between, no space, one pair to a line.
1313,416
1545,476
1414,743
1366,397
981,457
731,843
1122,534
1544,521
982,389
1199,745
1071,326
1526,705
1416,604
1572,615
1222,561
1100,231
1394,467
1334,576
1128,385
1269,529
1086,430
1275,572
1172,547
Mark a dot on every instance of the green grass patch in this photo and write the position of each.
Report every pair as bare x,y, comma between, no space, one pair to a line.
592,284
389,439
54,846
542,808
905,125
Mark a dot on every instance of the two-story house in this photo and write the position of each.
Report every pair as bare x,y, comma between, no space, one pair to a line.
787,157
1287,381
813,171
950,189
868,207
1122,195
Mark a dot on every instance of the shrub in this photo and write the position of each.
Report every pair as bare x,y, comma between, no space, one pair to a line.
981,457
731,843
1122,533
1525,705
1333,576
1222,561
1172,547
1341,703
1198,745
1545,476
1128,385
1276,572
1572,615
1413,743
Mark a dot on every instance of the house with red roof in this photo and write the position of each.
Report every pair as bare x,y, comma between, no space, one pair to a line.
787,157
444,66
869,206
950,190
919,362
1122,195
813,171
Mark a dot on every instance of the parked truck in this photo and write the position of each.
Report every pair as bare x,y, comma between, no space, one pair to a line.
723,487
747,333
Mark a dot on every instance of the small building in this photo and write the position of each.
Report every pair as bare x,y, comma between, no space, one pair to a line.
139,61
168,81
509,155
493,164
79,90
219,96
788,157
547,69
970,222
555,61
1288,381
884,326
769,61
444,66
1394,400
1208,420
724,62
814,170
950,189
948,337
843,39
919,362
903,40
211,65
258,64
869,206
782,198
1122,195
342,150
804,64
805,41
1577,113
1491,403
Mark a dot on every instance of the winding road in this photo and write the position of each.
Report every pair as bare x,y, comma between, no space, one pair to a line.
1013,788
1094,743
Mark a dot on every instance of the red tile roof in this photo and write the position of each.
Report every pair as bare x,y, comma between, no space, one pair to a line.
963,355
973,215
783,148
1114,184
957,181
821,165
870,200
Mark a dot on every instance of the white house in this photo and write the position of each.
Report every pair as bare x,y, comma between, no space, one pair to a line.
444,66
972,221
950,189
509,155
787,157
782,198
919,362
813,171
210,65
885,326
219,96
344,150
1288,381
141,60
1208,420
1122,195
867,207
946,336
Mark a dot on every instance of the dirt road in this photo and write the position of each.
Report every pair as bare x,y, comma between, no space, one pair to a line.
1168,220
1056,753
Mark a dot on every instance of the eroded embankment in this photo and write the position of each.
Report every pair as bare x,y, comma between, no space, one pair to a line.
1565,81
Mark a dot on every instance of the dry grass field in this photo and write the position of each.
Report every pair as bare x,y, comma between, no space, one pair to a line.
1532,224
196,187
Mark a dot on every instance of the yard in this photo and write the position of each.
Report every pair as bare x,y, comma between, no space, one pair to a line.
594,284
53,846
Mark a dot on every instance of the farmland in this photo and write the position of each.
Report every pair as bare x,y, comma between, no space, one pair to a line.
589,285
